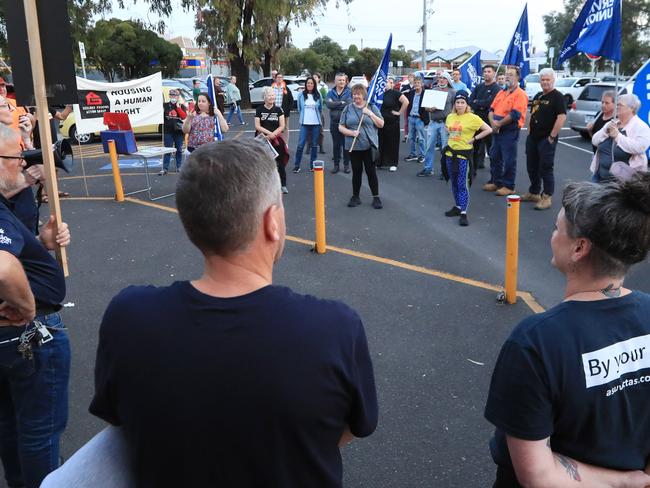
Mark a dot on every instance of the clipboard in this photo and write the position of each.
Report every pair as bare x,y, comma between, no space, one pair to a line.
434,99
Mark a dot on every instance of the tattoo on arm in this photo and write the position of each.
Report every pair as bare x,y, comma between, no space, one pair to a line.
570,465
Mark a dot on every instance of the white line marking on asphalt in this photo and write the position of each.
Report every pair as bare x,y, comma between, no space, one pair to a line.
575,147
570,137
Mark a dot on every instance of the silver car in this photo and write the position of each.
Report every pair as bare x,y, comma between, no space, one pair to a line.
585,109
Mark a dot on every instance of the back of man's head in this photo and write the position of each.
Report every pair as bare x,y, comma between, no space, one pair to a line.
223,192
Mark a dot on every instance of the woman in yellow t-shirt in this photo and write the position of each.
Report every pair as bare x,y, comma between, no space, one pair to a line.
462,126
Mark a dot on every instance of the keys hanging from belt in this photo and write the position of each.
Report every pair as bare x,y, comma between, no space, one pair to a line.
40,332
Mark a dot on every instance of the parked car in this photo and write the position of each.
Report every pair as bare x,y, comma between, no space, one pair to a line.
189,83
572,87
586,107
532,85
355,80
184,91
257,89
68,126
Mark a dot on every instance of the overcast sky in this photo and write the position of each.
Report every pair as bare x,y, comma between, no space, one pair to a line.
488,24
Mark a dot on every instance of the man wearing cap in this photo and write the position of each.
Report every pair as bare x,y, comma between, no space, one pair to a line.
547,116
34,347
507,116
174,113
436,130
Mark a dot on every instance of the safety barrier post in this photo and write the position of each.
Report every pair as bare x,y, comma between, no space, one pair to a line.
319,203
512,248
119,191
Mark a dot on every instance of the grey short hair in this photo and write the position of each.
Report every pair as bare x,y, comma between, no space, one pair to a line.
615,217
547,71
609,94
267,90
222,193
631,100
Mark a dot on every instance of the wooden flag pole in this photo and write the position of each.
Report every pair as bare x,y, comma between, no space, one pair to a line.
42,111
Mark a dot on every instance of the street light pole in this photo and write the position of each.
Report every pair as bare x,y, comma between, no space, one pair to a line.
424,34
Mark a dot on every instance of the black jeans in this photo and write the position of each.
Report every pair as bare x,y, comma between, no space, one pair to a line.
338,143
540,155
361,160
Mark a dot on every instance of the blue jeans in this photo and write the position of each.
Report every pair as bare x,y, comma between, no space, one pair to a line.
503,158
338,142
436,133
174,139
311,133
33,406
235,108
416,137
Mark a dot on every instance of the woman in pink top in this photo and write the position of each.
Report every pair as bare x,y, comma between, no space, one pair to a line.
199,124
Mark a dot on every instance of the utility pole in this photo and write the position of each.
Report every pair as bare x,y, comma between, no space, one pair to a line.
424,34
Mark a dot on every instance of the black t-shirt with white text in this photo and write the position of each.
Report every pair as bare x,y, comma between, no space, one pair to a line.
251,391
579,373
544,110
269,117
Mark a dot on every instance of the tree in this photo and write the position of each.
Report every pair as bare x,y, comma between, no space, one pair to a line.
124,49
366,62
636,22
333,55
245,30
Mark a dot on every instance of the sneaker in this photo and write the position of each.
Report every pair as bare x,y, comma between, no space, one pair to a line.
530,197
392,168
244,123
285,190
504,192
544,203
489,187
335,169
463,222
420,159
411,157
354,202
162,172
376,203
405,138
296,170
424,173
452,212
346,169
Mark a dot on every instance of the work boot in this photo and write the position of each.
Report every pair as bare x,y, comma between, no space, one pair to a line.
544,203
530,197
504,192
489,187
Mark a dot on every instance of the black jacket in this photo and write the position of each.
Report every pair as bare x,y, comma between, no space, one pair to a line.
482,97
287,103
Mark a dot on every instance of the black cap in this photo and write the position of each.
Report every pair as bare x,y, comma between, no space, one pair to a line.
461,94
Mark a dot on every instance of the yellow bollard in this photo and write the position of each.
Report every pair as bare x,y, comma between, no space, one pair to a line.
319,203
119,191
512,248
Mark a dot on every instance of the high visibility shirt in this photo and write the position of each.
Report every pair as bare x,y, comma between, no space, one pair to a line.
513,103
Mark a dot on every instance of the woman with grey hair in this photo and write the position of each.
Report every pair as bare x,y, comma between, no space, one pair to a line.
569,391
622,143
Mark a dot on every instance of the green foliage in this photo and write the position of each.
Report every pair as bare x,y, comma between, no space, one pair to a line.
333,57
636,23
365,62
124,49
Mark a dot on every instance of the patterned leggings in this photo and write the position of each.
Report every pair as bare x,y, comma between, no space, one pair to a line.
459,182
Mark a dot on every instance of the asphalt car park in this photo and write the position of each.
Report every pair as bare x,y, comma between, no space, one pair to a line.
424,286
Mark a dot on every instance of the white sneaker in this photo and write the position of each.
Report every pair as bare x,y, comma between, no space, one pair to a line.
285,190
392,168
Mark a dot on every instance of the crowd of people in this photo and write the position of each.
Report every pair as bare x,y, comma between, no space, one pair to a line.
569,391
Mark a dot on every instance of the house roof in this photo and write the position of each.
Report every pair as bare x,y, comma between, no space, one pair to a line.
449,55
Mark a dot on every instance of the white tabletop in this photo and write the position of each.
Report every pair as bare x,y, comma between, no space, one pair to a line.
150,152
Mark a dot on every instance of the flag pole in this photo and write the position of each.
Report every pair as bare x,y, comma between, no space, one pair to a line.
616,70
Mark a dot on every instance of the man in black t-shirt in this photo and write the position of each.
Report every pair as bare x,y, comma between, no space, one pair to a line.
34,347
547,116
229,380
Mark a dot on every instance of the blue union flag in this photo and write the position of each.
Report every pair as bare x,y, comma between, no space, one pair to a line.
378,82
597,31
